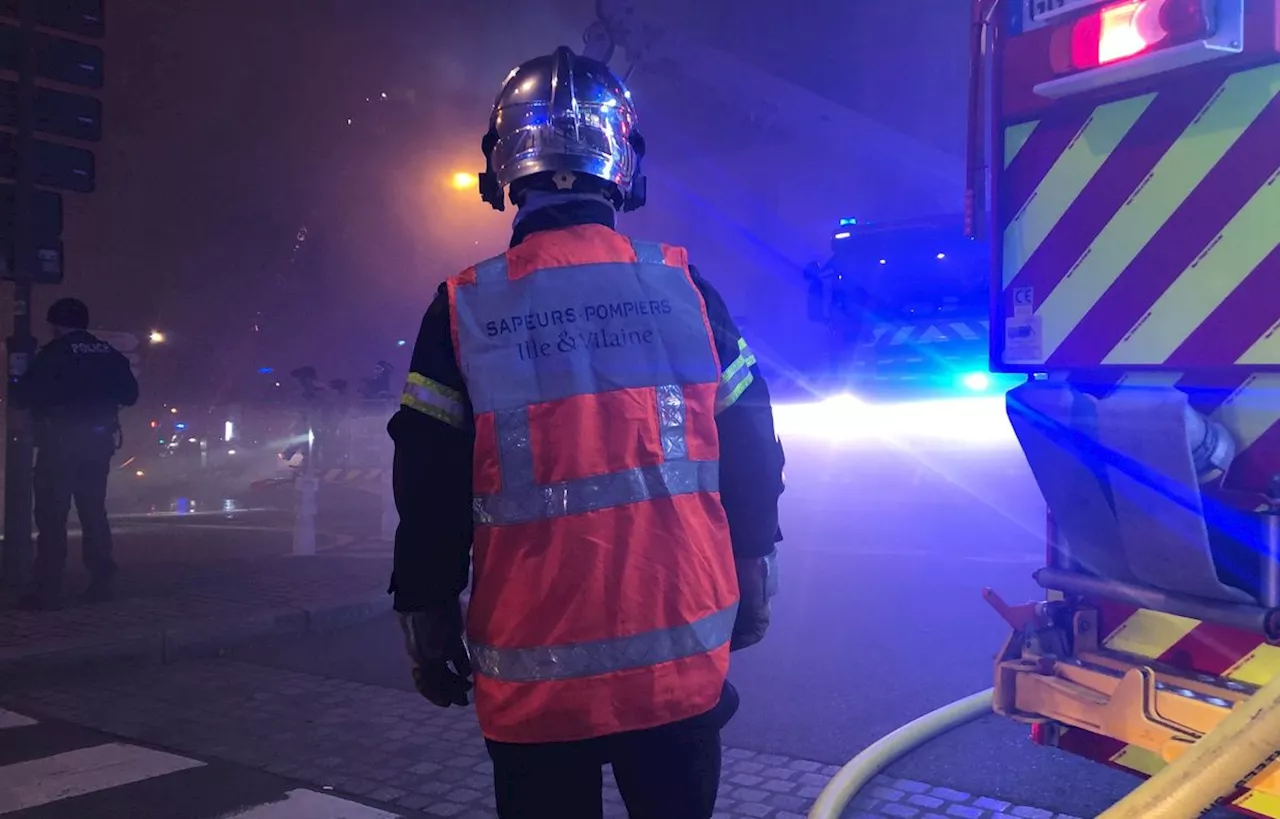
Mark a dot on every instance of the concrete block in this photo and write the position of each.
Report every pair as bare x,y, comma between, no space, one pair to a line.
950,795
19,662
205,639
911,786
349,613
993,805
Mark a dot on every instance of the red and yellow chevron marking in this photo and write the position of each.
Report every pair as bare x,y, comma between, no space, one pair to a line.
1188,645
1256,802
1143,227
940,332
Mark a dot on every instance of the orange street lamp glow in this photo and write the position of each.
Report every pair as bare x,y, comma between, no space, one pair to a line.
464,181
156,337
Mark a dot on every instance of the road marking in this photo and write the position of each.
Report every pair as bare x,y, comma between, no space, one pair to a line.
83,771
87,770
304,804
8,719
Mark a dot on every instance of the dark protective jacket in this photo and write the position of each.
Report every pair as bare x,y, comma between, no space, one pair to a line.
76,382
433,459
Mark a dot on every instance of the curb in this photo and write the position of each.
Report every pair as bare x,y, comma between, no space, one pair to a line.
196,639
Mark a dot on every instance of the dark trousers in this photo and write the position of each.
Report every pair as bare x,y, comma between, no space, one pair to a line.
672,772
62,476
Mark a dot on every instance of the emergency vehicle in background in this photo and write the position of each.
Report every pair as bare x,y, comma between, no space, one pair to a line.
1131,202
906,307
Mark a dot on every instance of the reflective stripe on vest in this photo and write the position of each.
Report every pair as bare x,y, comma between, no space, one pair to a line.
434,399
605,656
587,356
737,377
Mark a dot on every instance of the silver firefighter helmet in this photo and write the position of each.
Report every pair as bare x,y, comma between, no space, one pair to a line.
561,118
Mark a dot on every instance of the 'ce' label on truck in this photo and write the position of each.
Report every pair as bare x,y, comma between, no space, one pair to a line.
1023,301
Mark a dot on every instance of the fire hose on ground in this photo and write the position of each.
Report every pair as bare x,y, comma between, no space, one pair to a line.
864,767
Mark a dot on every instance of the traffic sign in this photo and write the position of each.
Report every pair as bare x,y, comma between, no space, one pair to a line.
46,269
56,165
76,116
82,18
46,211
46,226
57,58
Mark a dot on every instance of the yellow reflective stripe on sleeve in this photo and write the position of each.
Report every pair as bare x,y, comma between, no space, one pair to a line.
736,378
434,399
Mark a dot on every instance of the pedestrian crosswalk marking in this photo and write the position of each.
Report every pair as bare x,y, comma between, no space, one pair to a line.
86,770
94,772
304,804
8,719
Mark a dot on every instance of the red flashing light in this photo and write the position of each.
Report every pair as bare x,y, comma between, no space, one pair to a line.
1123,30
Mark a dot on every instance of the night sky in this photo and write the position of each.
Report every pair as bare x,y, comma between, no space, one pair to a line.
226,134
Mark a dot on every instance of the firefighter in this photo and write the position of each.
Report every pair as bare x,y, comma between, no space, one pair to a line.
74,389
584,421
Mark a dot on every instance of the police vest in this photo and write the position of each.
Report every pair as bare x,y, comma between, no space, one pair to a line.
604,591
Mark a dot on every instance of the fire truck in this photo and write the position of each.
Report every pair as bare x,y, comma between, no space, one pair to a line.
1125,174
906,306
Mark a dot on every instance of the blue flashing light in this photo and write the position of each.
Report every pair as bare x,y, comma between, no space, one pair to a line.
266,370
978,382
843,235
847,222
179,425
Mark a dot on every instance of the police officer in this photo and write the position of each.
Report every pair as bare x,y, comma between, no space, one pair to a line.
584,422
74,389
380,385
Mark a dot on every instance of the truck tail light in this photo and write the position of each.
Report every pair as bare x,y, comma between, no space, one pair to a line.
1127,29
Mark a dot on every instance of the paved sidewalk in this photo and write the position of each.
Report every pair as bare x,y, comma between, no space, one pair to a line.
168,611
391,747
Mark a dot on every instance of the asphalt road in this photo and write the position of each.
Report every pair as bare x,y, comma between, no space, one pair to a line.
889,544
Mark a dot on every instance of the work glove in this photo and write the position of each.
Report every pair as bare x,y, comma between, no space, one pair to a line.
757,584
441,665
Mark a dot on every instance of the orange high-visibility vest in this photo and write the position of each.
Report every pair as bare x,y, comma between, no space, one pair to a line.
604,591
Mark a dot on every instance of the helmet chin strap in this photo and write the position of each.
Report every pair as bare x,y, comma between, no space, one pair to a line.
535,200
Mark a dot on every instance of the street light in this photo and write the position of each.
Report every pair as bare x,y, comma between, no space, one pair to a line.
156,337
463,181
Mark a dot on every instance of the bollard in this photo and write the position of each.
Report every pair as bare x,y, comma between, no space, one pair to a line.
390,515
304,525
